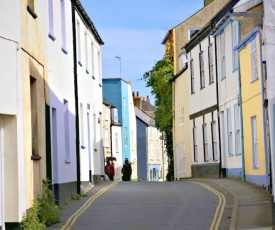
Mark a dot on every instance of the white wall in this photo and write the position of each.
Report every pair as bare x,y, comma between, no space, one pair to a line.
90,92
61,84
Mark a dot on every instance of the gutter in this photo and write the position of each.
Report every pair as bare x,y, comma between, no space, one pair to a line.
2,209
76,98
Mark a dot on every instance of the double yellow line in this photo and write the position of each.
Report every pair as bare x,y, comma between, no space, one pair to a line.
220,208
70,222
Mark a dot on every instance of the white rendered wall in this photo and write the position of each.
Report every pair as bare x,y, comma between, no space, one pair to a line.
61,84
90,95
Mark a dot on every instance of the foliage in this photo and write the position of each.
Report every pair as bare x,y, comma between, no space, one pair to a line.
159,79
31,220
49,211
43,213
75,196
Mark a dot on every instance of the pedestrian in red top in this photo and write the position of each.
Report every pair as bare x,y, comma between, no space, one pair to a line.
110,170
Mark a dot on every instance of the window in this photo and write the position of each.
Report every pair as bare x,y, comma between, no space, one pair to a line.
158,152
78,43
229,132
125,137
151,132
92,60
66,131
195,144
182,60
183,158
192,76
214,140
210,64
132,140
237,130
114,115
202,76
222,52
86,51
181,115
235,41
254,142
253,55
205,142
192,31
99,67
51,19
63,26
116,142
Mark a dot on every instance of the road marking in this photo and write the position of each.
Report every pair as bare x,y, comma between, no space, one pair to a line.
70,222
220,208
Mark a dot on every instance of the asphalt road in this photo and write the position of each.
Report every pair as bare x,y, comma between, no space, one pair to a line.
154,206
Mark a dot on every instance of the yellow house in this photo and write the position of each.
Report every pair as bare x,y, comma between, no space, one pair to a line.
252,99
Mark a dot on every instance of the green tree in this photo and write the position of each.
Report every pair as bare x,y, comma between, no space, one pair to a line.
159,79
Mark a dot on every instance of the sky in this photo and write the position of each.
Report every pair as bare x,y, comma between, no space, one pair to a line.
133,31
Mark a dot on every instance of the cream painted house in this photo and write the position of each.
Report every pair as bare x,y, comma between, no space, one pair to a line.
184,155
89,91
24,97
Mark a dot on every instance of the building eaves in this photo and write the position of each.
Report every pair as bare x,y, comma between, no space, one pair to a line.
80,9
144,117
209,26
248,38
182,70
114,79
105,102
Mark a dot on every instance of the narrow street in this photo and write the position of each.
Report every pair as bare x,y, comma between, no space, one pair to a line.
153,205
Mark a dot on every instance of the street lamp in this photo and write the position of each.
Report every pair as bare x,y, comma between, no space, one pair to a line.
119,58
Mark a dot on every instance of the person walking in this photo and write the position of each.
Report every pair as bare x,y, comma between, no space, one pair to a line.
126,171
110,170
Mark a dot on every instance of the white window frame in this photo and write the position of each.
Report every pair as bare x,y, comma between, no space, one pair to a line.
229,132
211,63
235,41
254,61
237,129
66,130
254,142
195,145
106,138
78,42
51,19
192,76
63,25
202,73
125,137
214,140
222,55
205,142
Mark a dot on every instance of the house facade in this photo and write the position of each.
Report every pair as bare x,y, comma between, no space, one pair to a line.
253,109
182,125
62,100
24,97
225,33
116,91
88,74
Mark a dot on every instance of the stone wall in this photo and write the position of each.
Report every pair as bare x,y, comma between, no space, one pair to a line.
205,170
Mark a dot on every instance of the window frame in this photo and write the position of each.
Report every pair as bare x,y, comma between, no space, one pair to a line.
254,142
229,131
211,63
235,37
222,56
205,143
202,72
192,76
254,60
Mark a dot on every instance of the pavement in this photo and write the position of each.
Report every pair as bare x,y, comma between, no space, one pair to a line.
251,207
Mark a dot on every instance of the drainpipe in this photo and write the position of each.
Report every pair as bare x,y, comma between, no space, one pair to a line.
2,177
218,109
76,98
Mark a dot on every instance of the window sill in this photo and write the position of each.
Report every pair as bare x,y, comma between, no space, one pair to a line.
82,147
35,158
235,69
51,37
67,162
238,154
211,83
230,155
192,93
30,10
206,160
202,88
100,85
256,167
87,71
93,77
80,63
254,80
64,50
222,78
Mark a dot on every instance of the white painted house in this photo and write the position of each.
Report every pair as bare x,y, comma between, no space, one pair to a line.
89,81
62,99
203,105
227,36
23,98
